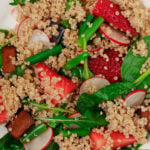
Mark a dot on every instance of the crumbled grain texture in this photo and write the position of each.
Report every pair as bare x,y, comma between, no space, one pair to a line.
125,120
140,49
73,143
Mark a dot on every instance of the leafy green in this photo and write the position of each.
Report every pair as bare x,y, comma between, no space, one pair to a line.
45,107
80,132
69,1
4,31
18,2
9,143
88,102
21,2
131,66
81,122
52,146
78,72
62,72
131,148
65,23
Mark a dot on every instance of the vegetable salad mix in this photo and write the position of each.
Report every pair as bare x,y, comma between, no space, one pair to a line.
75,75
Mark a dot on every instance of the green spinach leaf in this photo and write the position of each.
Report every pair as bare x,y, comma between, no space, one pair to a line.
131,66
9,143
89,102
52,146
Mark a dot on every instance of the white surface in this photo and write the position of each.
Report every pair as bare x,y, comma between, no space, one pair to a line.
3,130
7,21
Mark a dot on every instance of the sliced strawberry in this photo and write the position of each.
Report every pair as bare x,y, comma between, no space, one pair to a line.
118,139
109,68
62,84
3,114
112,14
98,140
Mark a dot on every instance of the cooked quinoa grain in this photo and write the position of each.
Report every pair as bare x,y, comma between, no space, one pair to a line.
46,85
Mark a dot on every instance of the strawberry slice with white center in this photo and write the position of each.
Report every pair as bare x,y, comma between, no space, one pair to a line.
112,14
118,140
114,35
52,82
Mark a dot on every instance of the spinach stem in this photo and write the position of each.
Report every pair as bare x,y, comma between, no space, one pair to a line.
86,72
142,77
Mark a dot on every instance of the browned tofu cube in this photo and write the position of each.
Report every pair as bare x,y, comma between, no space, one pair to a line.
146,115
7,53
20,124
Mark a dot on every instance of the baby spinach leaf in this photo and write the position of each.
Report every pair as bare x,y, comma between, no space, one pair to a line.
89,102
131,66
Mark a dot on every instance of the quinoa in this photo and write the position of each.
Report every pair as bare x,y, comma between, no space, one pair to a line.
46,16
141,49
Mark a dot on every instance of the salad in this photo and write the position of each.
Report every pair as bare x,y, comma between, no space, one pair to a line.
75,75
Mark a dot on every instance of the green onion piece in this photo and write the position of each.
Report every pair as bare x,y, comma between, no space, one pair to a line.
84,25
65,23
44,55
34,132
4,31
1,58
90,31
76,61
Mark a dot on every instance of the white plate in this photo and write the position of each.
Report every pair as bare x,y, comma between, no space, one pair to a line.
7,21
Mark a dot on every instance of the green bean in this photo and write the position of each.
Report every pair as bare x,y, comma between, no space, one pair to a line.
90,31
35,59
84,25
76,61
1,58
34,132
44,55
4,31
86,71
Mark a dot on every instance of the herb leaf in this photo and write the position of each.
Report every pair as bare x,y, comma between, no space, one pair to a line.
81,122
